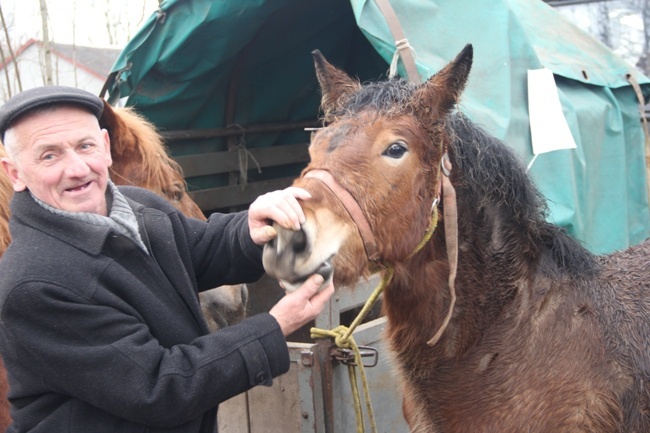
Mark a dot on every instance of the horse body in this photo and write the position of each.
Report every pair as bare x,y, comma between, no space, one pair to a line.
542,337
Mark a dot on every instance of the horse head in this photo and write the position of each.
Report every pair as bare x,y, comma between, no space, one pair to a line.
374,174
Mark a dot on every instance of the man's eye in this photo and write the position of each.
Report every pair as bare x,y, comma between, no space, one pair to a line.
395,150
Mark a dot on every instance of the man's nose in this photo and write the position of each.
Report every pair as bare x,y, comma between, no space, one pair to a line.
76,165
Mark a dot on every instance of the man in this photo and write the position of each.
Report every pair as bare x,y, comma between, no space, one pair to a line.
101,325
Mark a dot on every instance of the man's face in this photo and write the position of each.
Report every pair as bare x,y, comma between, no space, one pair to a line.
62,158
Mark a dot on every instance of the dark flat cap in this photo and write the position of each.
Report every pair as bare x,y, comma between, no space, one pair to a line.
28,100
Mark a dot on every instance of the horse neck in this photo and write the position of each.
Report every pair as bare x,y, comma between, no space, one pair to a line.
491,271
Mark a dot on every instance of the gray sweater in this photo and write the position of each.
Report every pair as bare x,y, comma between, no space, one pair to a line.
99,336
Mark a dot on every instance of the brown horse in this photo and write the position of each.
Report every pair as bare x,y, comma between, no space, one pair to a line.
6,192
532,333
140,158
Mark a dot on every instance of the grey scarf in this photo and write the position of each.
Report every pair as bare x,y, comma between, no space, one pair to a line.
121,217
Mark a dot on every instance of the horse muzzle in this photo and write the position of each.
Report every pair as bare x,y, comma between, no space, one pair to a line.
291,258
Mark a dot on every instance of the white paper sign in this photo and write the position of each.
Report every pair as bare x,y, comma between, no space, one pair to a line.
548,126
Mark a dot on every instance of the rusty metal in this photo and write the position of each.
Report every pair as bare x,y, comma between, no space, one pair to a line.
307,358
346,356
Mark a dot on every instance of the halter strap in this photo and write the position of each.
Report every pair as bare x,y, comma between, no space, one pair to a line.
352,207
450,216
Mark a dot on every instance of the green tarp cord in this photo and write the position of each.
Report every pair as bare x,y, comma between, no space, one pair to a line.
177,72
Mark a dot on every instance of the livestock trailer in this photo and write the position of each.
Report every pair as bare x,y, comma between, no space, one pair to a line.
232,89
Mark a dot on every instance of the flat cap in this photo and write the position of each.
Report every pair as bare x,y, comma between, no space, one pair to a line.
28,100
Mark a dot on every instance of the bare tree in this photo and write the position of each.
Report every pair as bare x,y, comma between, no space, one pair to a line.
47,50
110,28
643,64
74,42
6,71
11,55
604,33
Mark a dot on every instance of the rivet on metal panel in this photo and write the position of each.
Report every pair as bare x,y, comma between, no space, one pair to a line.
307,358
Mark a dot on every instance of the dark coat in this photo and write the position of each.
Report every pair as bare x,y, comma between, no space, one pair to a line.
98,336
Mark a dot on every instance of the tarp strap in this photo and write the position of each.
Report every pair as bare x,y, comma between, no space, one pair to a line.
402,46
644,122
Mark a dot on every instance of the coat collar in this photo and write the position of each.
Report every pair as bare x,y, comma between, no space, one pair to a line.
81,235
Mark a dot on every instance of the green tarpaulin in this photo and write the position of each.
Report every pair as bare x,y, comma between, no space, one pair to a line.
180,67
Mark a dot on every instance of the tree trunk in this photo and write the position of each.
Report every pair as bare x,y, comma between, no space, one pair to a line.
47,58
74,41
11,55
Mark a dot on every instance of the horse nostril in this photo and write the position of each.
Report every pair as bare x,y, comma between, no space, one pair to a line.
299,241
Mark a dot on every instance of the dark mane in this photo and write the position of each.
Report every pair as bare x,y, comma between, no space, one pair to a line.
493,180
386,98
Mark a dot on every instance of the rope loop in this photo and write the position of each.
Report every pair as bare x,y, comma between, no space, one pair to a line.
243,155
400,45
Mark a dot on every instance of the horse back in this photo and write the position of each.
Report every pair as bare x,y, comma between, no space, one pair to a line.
623,296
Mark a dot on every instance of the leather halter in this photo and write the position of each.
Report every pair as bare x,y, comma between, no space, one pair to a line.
353,208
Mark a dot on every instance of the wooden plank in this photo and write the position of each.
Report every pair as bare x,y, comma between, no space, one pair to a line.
233,415
293,403
232,130
226,161
234,195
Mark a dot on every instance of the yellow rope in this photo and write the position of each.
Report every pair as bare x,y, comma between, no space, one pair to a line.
342,335
338,334
432,227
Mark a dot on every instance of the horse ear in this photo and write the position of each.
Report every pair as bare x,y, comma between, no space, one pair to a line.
111,122
336,86
438,95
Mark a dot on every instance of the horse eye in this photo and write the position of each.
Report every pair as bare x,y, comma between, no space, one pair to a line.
395,150
174,193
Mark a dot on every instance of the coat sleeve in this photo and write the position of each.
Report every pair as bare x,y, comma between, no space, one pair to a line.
220,251
223,250
100,352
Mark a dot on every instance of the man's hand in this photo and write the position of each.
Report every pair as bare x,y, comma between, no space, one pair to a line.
303,305
279,206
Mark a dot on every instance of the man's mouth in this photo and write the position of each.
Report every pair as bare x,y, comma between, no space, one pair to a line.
78,188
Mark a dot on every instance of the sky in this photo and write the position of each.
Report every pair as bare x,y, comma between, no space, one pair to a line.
81,21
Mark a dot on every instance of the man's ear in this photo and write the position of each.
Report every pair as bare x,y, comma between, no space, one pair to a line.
107,146
12,173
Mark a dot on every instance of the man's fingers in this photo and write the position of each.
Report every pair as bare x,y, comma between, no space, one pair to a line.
312,285
263,234
300,193
322,296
